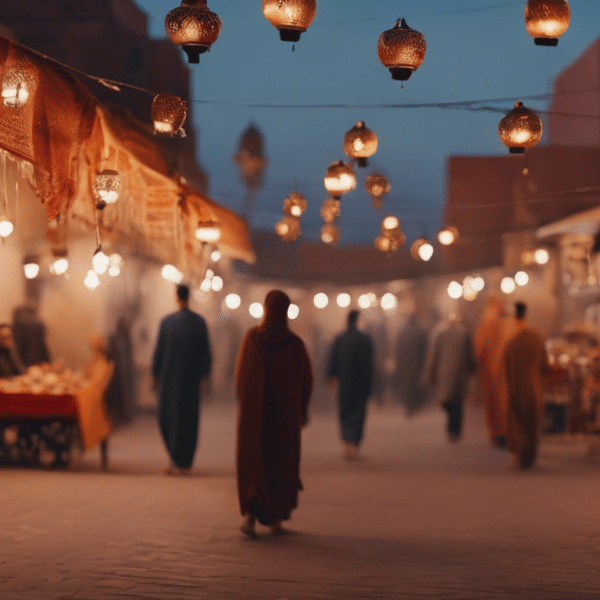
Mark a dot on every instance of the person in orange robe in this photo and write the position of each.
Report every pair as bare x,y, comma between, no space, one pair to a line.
525,365
487,346
273,383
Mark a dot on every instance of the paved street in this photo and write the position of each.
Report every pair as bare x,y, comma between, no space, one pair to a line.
415,518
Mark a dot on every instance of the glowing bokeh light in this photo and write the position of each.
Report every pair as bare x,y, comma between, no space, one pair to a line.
389,301
541,256
321,300
233,301
521,278
6,228
508,285
343,300
256,310
59,266
293,311
216,283
91,280
172,274
455,290
31,270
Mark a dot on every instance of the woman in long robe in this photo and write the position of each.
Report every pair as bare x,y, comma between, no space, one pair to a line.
273,383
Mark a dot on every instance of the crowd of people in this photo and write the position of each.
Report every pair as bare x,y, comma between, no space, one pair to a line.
274,380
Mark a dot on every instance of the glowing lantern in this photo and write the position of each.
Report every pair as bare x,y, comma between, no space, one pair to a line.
17,85
293,311
91,280
508,285
416,248
447,235
168,114
172,273
233,301
547,20
455,290
295,204
59,266
330,210
425,251
256,310
389,301
330,233
377,186
288,228
6,228
321,300
290,17
106,188
194,27
360,143
521,128
343,300
391,237
100,262
208,232
339,178
402,50
521,278
541,256
31,268
389,223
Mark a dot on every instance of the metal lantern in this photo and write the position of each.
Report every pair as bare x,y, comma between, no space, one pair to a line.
330,210
295,204
339,178
402,50
547,20
447,235
360,143
288,228
290,17
330,233
17,85
106,188
377,186
194,27
208,232
168,114
521,128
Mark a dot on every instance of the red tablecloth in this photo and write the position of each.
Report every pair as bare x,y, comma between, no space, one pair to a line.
38,406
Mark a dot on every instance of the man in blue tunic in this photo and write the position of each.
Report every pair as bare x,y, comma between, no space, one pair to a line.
181,360
351,364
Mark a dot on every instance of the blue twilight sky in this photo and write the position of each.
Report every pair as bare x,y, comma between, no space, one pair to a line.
475,50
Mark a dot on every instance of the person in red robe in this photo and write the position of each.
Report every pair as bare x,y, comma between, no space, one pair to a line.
273,382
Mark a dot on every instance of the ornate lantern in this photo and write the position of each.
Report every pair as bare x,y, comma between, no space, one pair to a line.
295,204
377,186
360,143
521,128
290,17
194,27
106,188
330,210
547,20
339,178
391,237
288,228
208,232
168,113
17,85
402,50
447,235
330,233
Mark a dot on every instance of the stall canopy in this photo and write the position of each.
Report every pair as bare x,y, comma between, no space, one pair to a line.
49,118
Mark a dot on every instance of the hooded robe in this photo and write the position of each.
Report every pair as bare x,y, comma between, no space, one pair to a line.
273,383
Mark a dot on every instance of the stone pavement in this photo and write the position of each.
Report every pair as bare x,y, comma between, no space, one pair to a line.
415,518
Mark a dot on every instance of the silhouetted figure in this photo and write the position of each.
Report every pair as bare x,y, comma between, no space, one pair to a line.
182,358
30,336
10,365
526,365
273,383
449,364
488,348
411,349
350,363
121,396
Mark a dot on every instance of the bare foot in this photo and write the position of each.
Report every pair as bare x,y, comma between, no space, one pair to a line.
248,526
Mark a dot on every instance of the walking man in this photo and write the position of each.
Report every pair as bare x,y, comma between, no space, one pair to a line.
350,363
181,360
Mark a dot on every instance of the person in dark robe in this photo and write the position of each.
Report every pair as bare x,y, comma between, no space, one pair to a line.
30,336
182,358
10,365
273,383
350,364
526,366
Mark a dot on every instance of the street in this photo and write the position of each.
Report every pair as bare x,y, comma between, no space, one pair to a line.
415,517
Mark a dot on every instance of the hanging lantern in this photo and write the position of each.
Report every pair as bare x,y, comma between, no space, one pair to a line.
17,85
6,227
390,223
547,20
100,261
330,210
194,27
402,50
448,235
168,114
208,232
339,178
31,267
295,204
391,237
330,233
288,228
60,262
106,188
360,143
521,128
421,249
377,186
290,17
